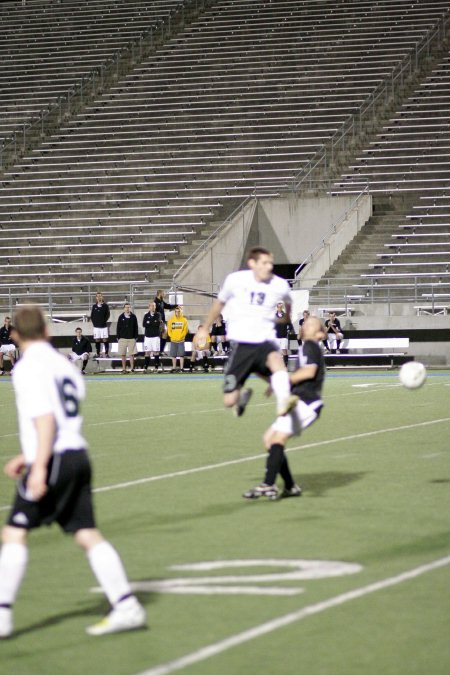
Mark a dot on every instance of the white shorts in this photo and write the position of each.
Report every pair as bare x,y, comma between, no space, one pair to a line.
7,349
152,344
298,419
101,334
283,343
78,357
332,339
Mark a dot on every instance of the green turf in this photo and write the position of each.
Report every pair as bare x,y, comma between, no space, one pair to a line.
376,480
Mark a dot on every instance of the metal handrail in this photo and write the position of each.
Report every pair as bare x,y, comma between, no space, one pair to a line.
339,220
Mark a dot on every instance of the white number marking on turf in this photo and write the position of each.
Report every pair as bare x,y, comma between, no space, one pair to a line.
299,570
291,618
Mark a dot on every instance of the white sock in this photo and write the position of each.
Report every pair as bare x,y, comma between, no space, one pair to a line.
13,565
280,384
109,571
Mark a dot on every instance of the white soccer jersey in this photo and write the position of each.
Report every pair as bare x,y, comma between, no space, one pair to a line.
251,305
46,382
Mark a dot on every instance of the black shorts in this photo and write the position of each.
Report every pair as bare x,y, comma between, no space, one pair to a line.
246,358
68,500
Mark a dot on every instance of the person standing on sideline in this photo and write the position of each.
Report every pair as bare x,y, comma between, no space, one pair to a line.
177,329
251,297
81,349
100,316
306,314
7,345
283,327
127,334
152,324
161,306
306,383
53,476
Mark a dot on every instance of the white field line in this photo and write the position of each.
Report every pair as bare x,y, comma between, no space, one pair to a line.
232,462
293,617
182,413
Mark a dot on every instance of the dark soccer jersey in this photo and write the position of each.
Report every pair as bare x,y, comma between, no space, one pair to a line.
282,328
100,315
310,390
152,324
5,335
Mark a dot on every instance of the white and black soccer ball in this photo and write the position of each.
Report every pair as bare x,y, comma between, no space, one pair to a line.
412,374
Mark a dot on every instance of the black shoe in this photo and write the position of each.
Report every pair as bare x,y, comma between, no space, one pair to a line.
244,397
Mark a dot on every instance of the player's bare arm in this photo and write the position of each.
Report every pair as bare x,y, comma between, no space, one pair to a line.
304,373
14,467
37,480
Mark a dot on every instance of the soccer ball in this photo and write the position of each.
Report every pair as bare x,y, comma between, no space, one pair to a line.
412,374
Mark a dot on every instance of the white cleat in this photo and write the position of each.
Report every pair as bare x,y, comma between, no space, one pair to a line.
127,615
288,404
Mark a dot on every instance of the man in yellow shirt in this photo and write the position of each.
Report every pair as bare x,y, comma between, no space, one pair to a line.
177,329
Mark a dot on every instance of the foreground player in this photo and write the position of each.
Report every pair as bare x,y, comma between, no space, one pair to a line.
251,297
54,477
307,383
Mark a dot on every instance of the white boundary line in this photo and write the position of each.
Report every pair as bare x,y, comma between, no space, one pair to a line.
232,462
293,617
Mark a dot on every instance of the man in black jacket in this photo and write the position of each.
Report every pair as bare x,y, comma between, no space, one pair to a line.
153,325
99,317
161,306
81,349
127,334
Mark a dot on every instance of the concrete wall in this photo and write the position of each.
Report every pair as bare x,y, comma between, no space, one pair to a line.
355,215
293,227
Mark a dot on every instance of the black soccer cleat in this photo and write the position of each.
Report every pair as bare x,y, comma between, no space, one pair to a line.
244,397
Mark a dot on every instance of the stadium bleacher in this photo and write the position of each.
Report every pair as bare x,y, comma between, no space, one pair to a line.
234,104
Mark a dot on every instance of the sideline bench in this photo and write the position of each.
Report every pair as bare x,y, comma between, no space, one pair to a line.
370,352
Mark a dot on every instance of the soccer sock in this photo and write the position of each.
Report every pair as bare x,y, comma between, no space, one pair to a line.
13,565
106,348
84,365
157,361
205,362
280,384
109,571
285,473
286,359
146,362
273,463
97,348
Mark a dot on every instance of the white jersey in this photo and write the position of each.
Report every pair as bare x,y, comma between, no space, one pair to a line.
251,306
46,382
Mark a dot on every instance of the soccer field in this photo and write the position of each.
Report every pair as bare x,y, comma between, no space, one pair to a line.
350,579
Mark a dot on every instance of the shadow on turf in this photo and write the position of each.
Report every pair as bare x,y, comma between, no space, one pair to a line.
96,611
318,484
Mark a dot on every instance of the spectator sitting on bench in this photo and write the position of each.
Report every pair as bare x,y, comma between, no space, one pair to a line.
81,349
334,333
7,346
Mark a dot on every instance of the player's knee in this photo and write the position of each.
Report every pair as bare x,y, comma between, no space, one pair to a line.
14,535
86,538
